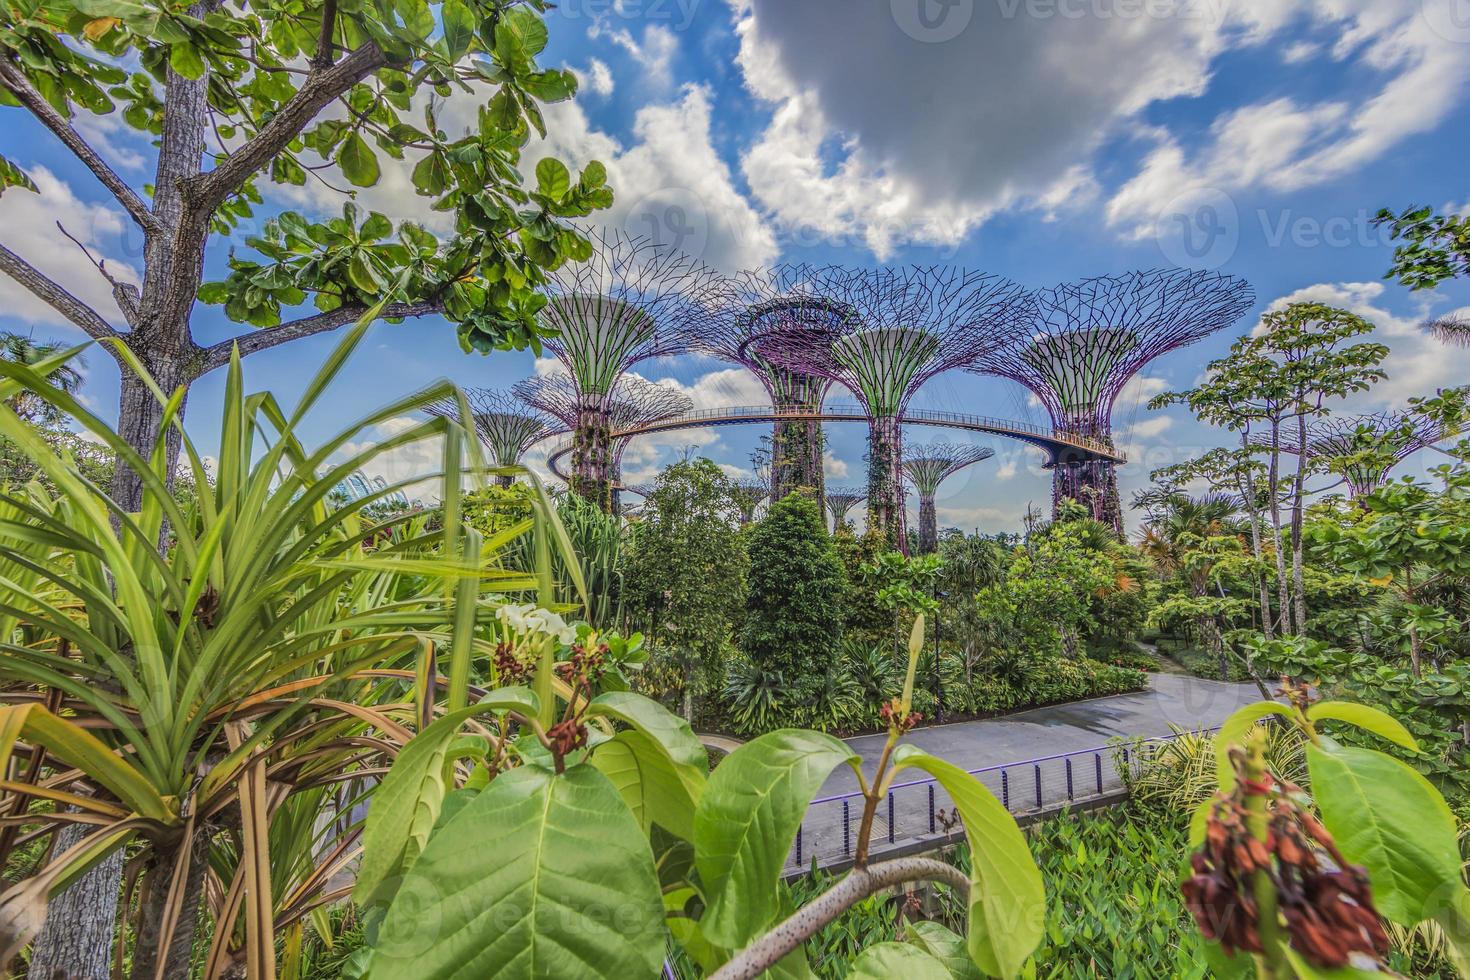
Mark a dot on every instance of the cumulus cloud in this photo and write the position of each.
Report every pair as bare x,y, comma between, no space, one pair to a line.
900,128
30,221
834,468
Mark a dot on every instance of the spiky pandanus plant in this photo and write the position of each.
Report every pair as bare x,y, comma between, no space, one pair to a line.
926,467
505,425
908,325
1088,339
630,301
184,702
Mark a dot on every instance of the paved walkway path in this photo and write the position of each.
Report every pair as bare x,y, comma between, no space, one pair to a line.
1003,744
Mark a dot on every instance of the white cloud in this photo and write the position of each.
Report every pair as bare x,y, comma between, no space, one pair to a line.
654,53
30,221
834,468
596,78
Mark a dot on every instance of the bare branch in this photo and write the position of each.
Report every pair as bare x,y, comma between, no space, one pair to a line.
24,92
54,296
208,191
767,951
323,56
219,354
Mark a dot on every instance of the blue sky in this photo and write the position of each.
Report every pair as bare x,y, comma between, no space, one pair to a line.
1043,140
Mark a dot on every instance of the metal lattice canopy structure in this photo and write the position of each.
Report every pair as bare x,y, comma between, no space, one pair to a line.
1366,448
748,495
630,301
1090,337
840,500
908,325
761,309
926,467
505,424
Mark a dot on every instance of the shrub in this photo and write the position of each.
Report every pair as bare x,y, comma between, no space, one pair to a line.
793,605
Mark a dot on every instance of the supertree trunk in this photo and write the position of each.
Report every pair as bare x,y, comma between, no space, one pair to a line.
928,526
796,458
592,454
885,484
1092,483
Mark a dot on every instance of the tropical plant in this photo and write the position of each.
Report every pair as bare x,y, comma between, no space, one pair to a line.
236,97
193,704
65,375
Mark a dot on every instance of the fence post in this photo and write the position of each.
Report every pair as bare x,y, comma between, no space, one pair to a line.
846,830
931,808
1069,778
798,846
1097,758
1005,789
890,816
1038,786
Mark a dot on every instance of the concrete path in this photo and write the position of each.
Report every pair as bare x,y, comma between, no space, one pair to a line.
1008,748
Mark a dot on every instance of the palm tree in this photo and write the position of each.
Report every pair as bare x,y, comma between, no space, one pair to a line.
22,349
1179,543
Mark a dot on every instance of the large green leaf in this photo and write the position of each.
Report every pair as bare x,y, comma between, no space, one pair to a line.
358,162
946,947
746,822
648,782
541,875
670,731
1388,818
886,961
406,805
1365,717
459,27
1007,900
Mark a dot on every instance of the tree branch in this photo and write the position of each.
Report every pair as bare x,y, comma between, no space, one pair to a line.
24,92
208,191
323,56
767,951
54,296
219,354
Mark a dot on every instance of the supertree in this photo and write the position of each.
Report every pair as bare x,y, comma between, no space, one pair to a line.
840,500
1089,338
760,308
1366,448
926,468
632,402
504,423
748,495
630,301
909,324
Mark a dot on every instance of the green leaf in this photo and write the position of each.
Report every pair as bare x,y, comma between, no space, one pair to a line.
362,274
1234,730
459,27
946,947
555,85
431,175
1388,818
552,178
594,175
523,31
746,822
377,226
1365,717
358,162
184,58
13,176
407,803
1007,899
670,731
652,786
887,961
541,875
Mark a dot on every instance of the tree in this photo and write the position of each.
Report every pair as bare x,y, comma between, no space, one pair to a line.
1188,540
687,571
1284,375
267,94
1436,246
793,608
26,350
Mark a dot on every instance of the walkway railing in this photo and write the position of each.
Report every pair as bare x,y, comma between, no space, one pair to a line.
919,812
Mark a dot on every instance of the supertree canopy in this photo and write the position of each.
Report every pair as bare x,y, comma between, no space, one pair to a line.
748,495
760,308
926,468
909,324
1089,338
505,424
840,500
1365,448
632,300
632,402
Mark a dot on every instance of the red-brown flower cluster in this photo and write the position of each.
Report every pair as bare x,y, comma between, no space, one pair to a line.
567,735
889,711
586,665
1327,905
509,668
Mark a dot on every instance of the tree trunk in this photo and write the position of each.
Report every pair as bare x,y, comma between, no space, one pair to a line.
1298,503
1248,497
885,483
928,526
139,417
76,941
1283,596
155,907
